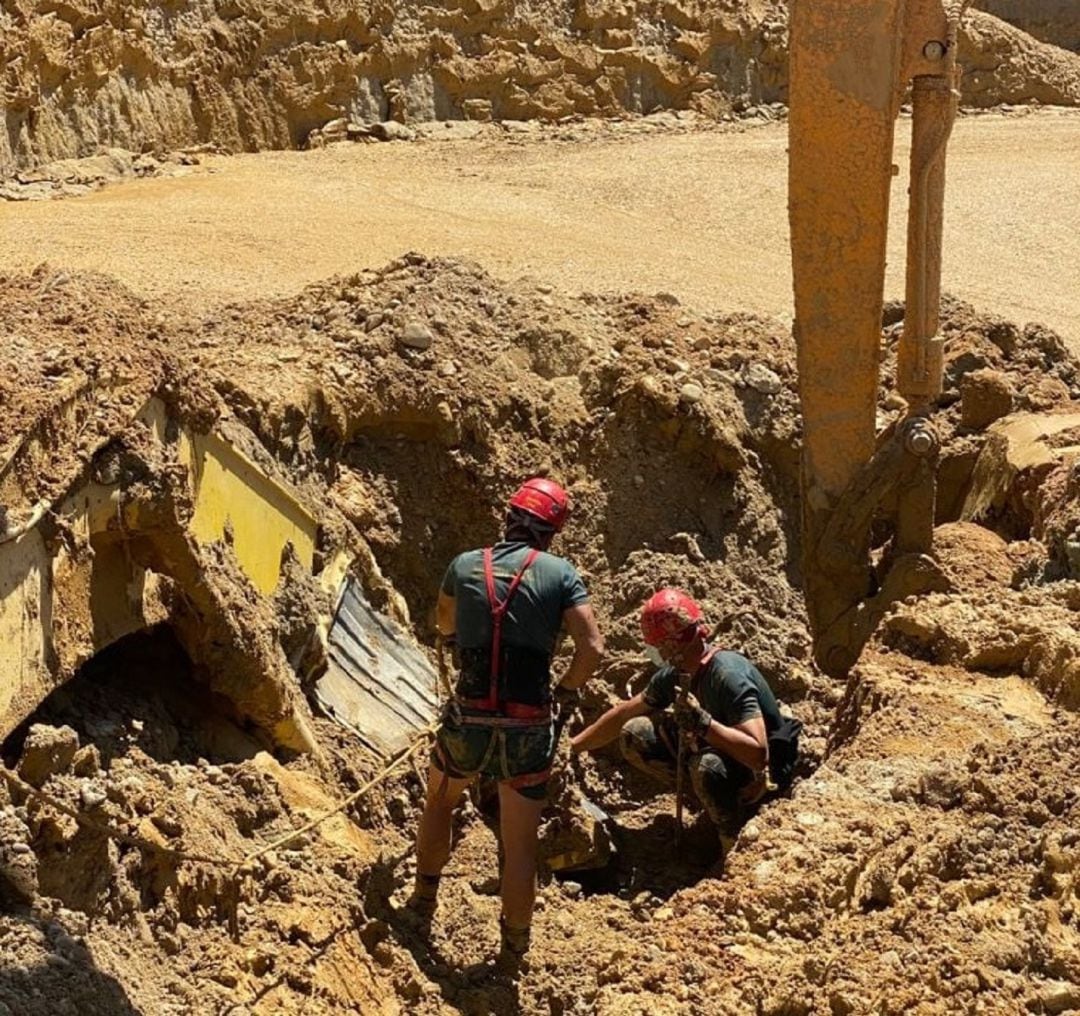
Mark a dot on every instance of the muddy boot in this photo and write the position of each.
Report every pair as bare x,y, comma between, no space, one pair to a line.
513,949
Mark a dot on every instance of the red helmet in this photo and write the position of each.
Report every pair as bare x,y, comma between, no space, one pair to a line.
670,616
543,498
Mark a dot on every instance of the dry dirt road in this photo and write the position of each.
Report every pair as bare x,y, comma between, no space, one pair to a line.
702,215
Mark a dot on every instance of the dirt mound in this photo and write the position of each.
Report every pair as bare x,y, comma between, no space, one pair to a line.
252,76
927,856
1004,64
430,383
1053,21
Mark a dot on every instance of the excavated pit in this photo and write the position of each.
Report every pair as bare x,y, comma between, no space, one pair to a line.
932,828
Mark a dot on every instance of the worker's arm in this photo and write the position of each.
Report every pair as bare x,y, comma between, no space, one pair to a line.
747,743
580,622
446,616
607,728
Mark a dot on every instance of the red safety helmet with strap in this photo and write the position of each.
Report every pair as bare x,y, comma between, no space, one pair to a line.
670,616
543,498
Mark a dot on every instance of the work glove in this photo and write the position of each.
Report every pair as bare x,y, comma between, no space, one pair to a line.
692,719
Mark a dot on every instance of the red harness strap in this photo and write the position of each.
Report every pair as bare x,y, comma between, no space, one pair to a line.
498,612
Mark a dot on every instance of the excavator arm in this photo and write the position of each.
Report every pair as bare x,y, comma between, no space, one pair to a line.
852,64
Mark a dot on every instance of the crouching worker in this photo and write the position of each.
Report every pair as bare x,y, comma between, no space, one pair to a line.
504,607
737,746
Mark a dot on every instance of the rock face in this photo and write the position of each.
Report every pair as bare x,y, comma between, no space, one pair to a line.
250,75
247,75
47,751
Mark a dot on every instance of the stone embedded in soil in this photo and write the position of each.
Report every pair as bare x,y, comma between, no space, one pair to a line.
985,396
87,761
18,863
416,335
691,393
46,752
1060,997
391,130
92,796
761,378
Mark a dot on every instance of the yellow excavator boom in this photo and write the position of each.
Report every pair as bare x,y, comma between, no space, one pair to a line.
852,64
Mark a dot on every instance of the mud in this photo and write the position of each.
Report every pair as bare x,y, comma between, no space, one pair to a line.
153,78
926,859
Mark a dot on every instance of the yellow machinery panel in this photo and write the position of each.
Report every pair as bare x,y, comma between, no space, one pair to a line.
263,516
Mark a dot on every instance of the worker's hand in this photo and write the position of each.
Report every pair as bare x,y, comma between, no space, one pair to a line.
692,719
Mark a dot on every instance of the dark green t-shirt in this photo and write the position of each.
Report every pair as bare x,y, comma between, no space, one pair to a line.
550,586
730,687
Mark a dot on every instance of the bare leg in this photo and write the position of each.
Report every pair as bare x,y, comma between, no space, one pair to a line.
433,836
519,819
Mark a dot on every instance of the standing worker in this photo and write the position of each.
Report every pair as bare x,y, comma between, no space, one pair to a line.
737,745
502,608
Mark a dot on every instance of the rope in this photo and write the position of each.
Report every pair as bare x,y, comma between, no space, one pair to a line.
421,740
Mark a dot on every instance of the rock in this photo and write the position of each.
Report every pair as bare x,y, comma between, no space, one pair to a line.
391,130
572,888
761,378
417,336
691,393
92,796
87,761
46,752
477,109
750,832
18,863
1060,996
842,1003
985,396
447,369
663,914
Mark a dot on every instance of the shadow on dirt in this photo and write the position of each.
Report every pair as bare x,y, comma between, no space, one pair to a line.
67,982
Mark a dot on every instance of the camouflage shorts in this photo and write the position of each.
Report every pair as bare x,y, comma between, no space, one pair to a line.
520,756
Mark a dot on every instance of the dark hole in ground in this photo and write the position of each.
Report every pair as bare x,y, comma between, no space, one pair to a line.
142,692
